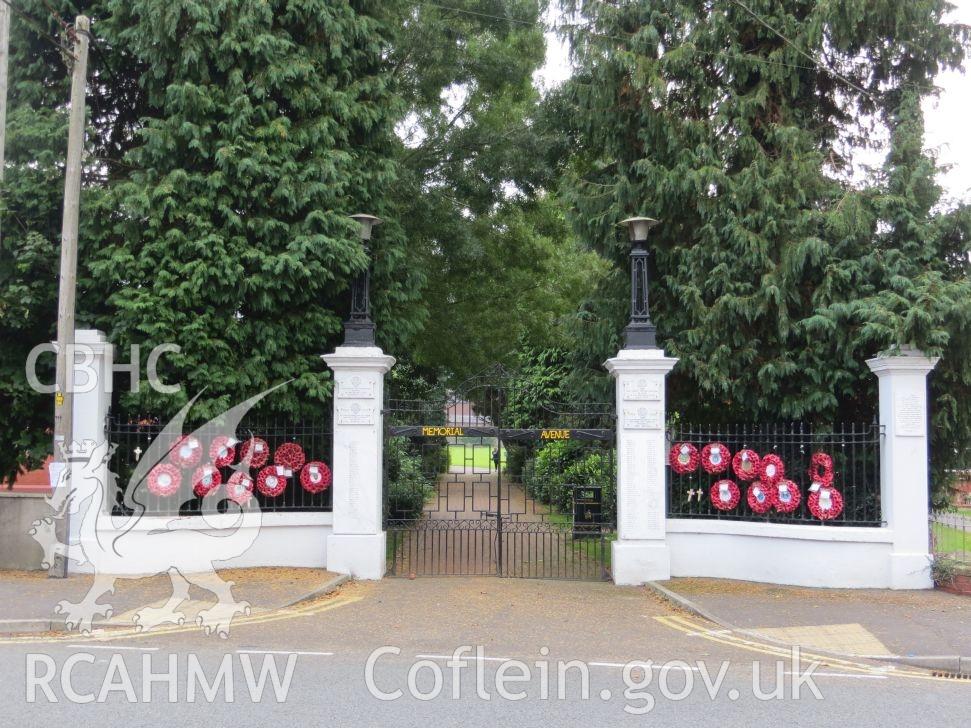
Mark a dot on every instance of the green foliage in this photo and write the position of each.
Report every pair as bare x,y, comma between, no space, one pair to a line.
226,144
943,570
408,485
538,385
30,212
265,125
779,269
499,264
559,464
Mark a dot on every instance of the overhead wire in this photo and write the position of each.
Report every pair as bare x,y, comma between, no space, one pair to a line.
817,64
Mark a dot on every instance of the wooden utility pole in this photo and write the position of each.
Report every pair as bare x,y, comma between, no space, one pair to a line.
63,394
4,54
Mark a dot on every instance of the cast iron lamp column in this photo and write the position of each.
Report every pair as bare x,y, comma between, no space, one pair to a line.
359,328
640,333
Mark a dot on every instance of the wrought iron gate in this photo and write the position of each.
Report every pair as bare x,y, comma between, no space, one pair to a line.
465,495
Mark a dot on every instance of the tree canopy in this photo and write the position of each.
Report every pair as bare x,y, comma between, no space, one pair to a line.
779,268
228,141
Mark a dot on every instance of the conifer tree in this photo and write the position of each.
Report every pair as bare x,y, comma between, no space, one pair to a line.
779,267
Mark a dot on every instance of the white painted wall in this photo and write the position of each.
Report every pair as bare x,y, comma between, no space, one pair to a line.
800,555
280,539
894,556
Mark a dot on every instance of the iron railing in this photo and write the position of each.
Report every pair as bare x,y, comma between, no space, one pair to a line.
951,534
133,437
854,448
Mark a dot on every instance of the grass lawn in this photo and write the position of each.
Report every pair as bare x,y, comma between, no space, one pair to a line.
589,547
949,540
478,457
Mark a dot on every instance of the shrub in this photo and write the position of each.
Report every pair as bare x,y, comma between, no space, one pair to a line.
409,485
558,464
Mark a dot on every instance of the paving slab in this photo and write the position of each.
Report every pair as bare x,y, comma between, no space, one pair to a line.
863,622
28,598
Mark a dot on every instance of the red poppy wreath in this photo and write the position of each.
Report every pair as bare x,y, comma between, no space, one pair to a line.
786,496
222,451
715,458
272,480
164,479
821,468
746,464
684,458
724,495
254,452
186,453
759,498
315,477
239,488
290,455
772,469
206,479
825,502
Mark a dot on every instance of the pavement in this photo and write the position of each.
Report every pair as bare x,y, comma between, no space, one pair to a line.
377,653
28,599
931,628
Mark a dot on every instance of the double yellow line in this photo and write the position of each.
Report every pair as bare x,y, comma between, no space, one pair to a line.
725,637
113,635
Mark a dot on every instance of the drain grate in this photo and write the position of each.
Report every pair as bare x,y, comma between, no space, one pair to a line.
952,675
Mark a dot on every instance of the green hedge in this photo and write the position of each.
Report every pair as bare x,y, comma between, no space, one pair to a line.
410,481
559,464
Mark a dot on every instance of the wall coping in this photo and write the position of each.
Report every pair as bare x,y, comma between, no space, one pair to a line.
25,493
221,520
640,361
360,358
912,361
795,532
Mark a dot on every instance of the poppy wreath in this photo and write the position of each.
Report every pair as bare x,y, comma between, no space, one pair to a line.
222,451
771,469
259,455
684,458
759,498
187,452
164,479
239,488
724,495
272,480
825,503
821,468
715,458
746,465
315,477
206,479
290,455
786,496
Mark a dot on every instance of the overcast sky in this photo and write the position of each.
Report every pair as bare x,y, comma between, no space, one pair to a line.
948,117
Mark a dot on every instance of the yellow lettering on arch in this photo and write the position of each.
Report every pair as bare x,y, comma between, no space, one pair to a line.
442,431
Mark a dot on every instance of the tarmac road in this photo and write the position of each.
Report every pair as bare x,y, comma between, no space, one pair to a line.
329,642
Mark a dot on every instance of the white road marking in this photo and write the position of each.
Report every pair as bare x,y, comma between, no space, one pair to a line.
465,657
843,674
113,647
284,652
641,664
637,663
